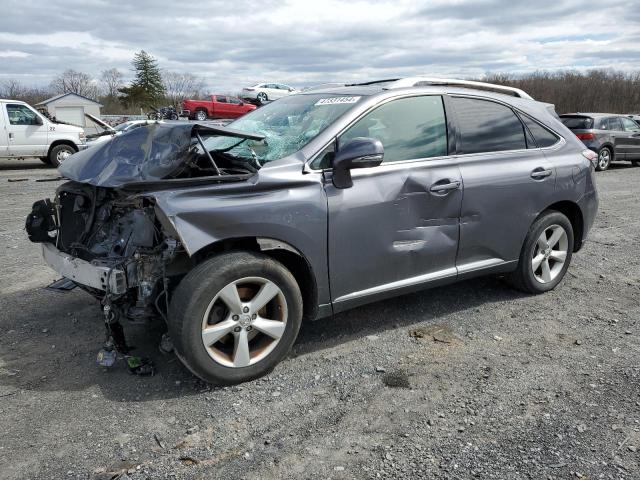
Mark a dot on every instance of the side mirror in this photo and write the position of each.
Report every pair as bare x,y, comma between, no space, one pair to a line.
39,121
361,152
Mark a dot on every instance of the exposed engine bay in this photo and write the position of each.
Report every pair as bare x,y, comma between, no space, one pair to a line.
103,230
104,233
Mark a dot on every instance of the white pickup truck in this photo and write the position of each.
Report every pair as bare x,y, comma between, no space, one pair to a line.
25,133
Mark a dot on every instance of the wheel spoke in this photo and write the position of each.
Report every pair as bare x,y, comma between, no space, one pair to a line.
556,236
229,295
558,255
542,241
546,271
273,328
212,334
268,291
537,260
241,355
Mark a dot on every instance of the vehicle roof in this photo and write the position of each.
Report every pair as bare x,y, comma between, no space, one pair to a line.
10,100
380,88
593,115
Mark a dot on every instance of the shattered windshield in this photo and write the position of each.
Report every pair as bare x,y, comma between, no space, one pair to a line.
287,125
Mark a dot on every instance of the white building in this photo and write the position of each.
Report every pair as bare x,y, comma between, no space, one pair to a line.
71,108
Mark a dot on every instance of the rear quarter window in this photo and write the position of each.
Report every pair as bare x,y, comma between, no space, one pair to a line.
577,123
541,136
487,126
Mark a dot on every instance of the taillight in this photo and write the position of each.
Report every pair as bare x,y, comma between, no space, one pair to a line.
591,156
249,89
586,136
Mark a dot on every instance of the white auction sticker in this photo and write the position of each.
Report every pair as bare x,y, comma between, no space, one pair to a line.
337,100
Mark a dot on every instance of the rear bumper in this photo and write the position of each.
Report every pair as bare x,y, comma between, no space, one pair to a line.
84,273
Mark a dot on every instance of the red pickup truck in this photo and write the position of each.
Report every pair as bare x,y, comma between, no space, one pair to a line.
219,106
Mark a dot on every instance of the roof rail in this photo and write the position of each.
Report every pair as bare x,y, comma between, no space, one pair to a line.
422,81
372,82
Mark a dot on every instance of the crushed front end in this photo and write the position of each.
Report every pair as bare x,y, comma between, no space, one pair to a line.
111,244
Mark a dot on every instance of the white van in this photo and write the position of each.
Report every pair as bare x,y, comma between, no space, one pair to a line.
25,133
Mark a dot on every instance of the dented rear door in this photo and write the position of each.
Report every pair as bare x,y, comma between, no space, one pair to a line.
397,227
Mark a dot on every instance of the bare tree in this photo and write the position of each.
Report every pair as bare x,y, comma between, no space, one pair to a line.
14,90
179,86
11,89
111,80
71,81
571,91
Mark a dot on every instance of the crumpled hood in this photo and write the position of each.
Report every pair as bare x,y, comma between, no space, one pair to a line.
149,153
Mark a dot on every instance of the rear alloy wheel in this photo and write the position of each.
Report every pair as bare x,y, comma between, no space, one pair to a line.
262,98
201,115
546,254
604,159
235,316
59,154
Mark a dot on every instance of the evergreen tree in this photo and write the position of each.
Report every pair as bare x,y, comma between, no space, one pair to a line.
147,89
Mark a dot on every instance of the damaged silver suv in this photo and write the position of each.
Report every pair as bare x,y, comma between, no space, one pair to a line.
314,204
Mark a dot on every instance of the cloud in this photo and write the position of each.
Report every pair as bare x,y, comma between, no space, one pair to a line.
302,43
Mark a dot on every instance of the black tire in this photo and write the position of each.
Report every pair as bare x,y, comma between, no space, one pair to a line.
605,156
200,115
45,160
196,292
174,116
262,98
57,153
524,278
635,163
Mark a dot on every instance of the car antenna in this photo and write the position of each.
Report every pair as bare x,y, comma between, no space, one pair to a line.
207,152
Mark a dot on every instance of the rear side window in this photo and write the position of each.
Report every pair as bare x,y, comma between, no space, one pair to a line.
578,123
409,128
487,126
221,99
615,124
541,136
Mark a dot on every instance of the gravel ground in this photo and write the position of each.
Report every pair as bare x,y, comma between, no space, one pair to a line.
468,381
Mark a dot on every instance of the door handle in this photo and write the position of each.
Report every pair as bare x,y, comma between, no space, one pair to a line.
540,173
445,187
10,135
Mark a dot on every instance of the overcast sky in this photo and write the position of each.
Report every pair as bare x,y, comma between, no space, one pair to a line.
232,44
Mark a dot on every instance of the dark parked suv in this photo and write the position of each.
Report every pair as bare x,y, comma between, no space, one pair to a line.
312,205
612,137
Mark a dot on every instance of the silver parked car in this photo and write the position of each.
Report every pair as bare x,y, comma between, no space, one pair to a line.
314,204
612,137
262,93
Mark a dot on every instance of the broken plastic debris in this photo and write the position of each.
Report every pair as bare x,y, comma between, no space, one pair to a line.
140,366
106,358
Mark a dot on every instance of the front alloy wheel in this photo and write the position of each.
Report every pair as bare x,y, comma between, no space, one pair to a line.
244,322
235,316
